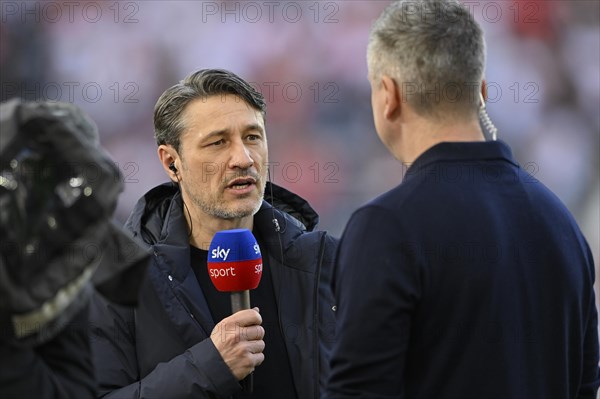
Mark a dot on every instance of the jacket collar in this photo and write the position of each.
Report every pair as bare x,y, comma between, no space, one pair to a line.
461,151
158,219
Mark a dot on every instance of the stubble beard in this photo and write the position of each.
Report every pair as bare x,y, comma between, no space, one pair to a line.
215,207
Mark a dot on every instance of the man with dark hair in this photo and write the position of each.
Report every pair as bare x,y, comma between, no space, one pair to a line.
182,341
470,279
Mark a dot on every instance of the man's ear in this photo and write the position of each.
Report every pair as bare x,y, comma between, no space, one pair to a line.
391,91
168,156
484,92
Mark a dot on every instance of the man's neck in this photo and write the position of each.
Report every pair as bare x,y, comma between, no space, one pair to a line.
204,228
420,136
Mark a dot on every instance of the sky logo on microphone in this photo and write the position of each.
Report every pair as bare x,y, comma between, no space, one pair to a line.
234,261
219,252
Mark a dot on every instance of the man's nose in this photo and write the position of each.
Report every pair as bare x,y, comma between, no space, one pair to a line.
240,157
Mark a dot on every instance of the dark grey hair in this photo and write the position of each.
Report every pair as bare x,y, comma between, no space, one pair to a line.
434,50
168,123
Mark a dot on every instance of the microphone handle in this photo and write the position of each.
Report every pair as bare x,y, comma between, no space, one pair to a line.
240,300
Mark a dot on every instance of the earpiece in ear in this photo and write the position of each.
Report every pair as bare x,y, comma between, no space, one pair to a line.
172,167
481,101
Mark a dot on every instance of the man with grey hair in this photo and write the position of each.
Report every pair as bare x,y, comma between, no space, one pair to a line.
182,341
470,279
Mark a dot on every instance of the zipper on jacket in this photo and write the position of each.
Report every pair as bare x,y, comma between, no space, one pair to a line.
316,342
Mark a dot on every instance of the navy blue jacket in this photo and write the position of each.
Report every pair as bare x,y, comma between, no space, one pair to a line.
468,280
161,349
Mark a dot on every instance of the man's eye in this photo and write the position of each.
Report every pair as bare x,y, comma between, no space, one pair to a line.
218,142
253,137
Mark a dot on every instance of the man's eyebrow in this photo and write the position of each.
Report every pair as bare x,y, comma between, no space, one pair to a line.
224,132
215,133
254,126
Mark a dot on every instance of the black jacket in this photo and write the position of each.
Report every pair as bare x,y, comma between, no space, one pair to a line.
60,368
161,350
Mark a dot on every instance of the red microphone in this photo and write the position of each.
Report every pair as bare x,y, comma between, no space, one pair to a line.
235,266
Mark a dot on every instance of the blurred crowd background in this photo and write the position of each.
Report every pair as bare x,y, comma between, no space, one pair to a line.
114,59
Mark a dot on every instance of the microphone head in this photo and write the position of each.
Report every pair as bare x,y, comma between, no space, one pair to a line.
234,261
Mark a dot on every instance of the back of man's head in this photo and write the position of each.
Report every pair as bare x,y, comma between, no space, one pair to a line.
435,52
168,123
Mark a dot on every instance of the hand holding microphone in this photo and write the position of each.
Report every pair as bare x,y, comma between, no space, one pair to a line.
238,338
235,265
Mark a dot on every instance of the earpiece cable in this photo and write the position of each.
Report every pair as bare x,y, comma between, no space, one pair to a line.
486,121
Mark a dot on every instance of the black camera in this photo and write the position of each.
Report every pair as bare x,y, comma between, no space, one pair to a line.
58,191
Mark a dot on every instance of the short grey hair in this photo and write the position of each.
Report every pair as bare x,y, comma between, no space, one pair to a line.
168,121
434,50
